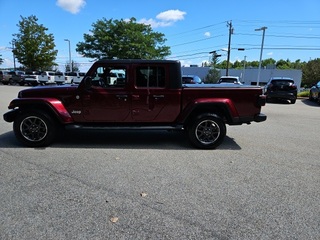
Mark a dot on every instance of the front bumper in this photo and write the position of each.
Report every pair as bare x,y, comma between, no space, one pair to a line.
11,115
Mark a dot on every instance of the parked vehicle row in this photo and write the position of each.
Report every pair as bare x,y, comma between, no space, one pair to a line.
34,78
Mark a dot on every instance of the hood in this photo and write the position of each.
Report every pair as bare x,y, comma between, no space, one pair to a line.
48,91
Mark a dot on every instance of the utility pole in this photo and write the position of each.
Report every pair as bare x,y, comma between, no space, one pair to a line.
229,24
263,29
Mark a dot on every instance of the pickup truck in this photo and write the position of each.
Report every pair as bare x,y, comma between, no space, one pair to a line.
47,77
148,95
31,78
59,78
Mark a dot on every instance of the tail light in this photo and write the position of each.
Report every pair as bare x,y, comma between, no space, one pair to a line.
262,100
293,86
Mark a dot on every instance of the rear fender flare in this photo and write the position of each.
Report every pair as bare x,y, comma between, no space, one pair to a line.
224,108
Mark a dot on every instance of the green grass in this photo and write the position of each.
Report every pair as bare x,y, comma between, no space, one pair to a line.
303,94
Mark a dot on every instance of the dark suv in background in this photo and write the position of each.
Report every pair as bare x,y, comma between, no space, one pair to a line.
16,77
281,88
314,94
4,77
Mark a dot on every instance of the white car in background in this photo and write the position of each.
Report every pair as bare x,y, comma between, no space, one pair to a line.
59,78
32,78
77,78
69,77
47,77
229,79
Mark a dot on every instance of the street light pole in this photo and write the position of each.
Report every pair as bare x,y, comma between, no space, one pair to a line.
14,57
70,64
263,33
244,67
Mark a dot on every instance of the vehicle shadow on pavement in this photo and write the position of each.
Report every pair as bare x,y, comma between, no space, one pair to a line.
119,140
278,101
310,103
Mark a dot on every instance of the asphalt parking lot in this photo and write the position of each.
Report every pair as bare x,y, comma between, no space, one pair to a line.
263,182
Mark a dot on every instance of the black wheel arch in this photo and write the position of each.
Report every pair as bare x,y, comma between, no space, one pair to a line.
40,107
218,110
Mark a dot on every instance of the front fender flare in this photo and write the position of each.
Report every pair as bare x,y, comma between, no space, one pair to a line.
55,106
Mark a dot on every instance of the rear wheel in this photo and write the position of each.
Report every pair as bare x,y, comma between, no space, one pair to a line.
35,129
207,131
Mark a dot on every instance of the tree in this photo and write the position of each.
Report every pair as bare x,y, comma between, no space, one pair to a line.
213,74
223,65
123,39
1,59
33,47
237,65
298,64
311,72
283,64
268,61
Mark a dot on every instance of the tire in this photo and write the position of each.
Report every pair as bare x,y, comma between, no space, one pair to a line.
293,101
35,128
207,131
310,96
11,82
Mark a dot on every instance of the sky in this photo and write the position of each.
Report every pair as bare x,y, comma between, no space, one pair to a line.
192,28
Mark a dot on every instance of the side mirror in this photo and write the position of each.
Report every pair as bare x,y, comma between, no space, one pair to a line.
88,82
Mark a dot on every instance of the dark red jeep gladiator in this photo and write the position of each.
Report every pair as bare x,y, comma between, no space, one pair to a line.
134,94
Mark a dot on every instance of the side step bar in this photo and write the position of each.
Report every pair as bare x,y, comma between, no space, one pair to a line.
117,127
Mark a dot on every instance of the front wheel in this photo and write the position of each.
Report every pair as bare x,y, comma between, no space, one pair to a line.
207,131
34,129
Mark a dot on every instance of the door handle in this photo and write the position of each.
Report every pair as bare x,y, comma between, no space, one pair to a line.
122,97
156,97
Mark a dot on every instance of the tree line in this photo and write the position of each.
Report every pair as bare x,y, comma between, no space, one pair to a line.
34,48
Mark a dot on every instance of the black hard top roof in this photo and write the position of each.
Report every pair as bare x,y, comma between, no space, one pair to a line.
139,61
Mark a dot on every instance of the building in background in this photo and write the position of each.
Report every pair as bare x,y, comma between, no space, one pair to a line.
249,75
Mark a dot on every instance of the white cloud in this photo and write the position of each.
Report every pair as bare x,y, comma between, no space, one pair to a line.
73,6
164,19
207,34
153,23
171,16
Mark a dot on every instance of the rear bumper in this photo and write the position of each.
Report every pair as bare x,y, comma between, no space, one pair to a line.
282,95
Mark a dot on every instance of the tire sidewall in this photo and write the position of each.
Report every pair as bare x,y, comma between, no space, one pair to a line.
50,123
